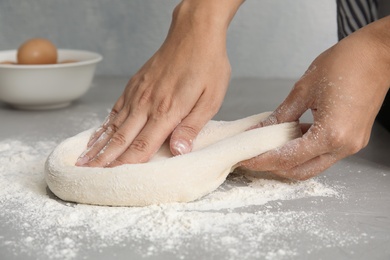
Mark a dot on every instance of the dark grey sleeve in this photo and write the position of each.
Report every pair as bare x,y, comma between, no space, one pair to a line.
354,14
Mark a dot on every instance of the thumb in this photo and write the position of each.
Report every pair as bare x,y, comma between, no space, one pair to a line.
186,132
291,109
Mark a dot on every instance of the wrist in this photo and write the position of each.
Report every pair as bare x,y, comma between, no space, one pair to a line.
372,44
378,37
206,16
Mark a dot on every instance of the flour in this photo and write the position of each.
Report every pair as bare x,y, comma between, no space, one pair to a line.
224,224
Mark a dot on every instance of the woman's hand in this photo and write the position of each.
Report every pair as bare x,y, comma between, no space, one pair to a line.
175,93
344,89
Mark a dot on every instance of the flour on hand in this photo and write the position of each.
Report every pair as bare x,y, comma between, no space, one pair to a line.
164,179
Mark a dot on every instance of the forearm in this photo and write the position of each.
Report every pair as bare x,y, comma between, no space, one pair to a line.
206,17
375,38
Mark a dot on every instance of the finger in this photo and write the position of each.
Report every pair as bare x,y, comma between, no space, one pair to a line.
108,120
185,133
291,109
95,136
118,142
90,152
305,127
308,169
147,142
102,141
292,154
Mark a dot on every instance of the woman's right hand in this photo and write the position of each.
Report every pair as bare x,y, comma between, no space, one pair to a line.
174,94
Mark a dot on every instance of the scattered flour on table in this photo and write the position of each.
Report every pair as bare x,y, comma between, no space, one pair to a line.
224,224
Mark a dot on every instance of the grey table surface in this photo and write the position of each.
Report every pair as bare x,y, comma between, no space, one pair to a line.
365,175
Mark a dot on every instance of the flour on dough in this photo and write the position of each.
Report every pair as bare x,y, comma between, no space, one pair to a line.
218,148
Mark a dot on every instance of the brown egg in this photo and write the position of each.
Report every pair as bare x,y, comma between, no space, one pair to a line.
37,51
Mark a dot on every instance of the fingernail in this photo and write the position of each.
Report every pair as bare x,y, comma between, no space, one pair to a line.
83,159
182,147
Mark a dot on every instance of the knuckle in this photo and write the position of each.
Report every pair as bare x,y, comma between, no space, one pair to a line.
114,112
271,119
283,162
164,107
118,139
140,145
99,160
188,130
117,162
114,127
336,139
145,97
299,84
301,88
111,116
144,77
139,79
342,140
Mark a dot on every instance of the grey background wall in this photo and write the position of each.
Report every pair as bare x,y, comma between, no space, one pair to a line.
268,38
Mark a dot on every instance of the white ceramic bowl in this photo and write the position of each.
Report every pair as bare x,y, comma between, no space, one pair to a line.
46,86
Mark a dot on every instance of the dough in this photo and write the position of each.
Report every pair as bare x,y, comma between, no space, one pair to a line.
217,150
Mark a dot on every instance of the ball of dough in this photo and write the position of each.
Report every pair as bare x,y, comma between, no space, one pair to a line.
164,179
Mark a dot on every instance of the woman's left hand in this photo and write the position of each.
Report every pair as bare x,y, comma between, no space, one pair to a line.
344,88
